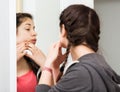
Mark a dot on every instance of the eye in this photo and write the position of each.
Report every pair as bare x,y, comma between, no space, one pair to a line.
27,29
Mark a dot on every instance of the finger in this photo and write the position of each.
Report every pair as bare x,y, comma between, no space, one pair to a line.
22,42
32,48
20,49
30,45
58,46
24,52
28,52
31,51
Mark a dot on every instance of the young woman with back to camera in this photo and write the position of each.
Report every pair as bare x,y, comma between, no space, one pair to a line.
29,57
89,72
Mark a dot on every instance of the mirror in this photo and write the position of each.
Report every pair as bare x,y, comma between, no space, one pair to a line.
46,18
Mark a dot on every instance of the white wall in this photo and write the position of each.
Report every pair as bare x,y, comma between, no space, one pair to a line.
65,3
109,14
4,47
12,45
7,46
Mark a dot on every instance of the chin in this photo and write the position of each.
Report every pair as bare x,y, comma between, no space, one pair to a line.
64,46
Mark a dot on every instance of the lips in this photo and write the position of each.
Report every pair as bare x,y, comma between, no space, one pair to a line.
33,41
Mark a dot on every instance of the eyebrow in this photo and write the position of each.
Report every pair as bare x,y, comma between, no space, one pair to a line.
30,25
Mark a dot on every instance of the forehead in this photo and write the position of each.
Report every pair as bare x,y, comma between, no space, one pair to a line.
28,21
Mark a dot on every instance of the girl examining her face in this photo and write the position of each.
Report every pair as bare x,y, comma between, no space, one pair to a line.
28,63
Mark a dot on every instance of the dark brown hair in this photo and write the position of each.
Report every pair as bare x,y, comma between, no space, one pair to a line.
82,26
20,18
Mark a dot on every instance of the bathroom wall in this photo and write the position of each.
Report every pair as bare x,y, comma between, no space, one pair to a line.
109,14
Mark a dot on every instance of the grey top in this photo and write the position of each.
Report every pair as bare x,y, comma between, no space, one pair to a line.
91,74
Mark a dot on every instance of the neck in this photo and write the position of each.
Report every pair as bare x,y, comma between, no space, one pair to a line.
79,51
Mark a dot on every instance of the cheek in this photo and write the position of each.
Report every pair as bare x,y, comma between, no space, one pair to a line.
20,39
63,43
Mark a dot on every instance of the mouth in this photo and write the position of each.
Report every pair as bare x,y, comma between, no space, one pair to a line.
33,41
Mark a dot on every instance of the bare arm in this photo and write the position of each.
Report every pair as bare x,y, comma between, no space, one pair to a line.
53,61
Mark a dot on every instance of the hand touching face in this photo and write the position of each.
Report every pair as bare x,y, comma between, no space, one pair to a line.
55,56
37,55
20,48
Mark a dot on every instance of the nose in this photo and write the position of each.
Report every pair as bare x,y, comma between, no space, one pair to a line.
34,33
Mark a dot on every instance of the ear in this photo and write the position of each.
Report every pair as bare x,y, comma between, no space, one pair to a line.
63,31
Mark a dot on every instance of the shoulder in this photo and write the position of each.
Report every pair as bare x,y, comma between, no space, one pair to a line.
77,71
76,78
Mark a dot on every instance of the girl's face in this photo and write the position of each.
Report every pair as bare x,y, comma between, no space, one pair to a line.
26,32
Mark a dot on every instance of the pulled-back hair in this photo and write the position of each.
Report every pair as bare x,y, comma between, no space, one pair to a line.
20,18
82,26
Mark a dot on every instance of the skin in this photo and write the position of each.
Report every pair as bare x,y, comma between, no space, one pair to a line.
26,40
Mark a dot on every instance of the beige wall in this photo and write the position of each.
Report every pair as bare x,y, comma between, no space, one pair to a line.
19,5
